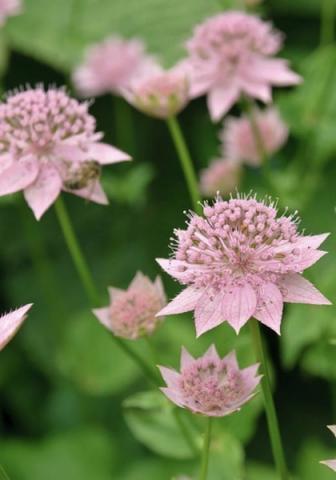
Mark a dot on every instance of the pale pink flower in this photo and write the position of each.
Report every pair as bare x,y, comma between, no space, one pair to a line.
158,92
49,143
241,260
109,66
210,385
222,175
239,140
9,8
232,54
131,313
331,463
11,322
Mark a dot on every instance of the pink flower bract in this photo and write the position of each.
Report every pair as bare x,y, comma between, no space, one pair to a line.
210,385
9,8
109,66
231,54
239,142
11,322
331,463
131,313
241,260
221,176
158,92
48,143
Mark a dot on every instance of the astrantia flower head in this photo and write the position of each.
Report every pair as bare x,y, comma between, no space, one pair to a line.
49,143
221,176
239,142
158,92
109,66
11,322
9,8
241,260
210,385
131,313
231,54
331,463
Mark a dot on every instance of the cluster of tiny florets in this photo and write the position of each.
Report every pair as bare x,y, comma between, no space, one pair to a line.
231,36
210,384
236,239
33,121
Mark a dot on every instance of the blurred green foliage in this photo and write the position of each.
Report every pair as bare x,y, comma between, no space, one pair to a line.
72,406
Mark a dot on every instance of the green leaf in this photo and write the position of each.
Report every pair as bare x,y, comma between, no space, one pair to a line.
258,471
151,418
226,459
82,454
66,27
90,358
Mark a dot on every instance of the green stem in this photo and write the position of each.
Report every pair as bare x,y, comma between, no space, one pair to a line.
186,162
328,10
206,448
89,286
76,252
272,420
3,474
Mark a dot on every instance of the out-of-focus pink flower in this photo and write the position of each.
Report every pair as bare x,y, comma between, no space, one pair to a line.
222,175
9,8
241,260
49,143
11,322
109,66
331,463
131,313
231,54
210,385
158,92
239,140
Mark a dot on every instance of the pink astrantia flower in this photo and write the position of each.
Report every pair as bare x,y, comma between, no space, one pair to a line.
221,176
9,8
210,385
331,463
49,143
239,142
131,313
231,54
109,66
158,92
241,260
11,322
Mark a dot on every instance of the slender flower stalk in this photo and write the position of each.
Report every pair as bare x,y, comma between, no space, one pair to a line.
272,420
186,162
328,11
89,286
206,449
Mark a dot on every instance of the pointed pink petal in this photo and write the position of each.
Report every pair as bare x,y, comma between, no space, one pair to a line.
183,302
311,241
186,358
106,154
261,91
307,258
239,305
208,313
330,463
175,268
220,100
160,288
170,376
173,396
114,292
44,191
212,353
270,305
11,322
140,281
296,289
93,193
69,152
103,315
273,70
231,360
18,176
